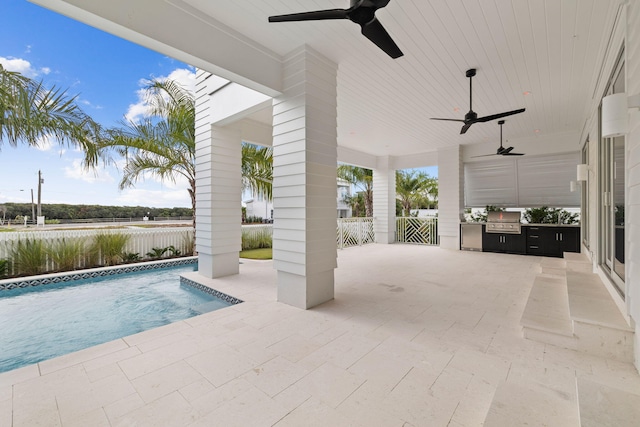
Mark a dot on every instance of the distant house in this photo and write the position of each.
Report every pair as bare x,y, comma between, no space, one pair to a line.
258,206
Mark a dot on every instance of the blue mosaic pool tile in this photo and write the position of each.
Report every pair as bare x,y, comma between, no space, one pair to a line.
61,278
228,298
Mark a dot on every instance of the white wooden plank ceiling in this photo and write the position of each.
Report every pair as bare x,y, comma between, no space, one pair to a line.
548,48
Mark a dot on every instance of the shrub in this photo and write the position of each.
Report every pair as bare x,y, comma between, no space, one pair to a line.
29,257
189,243
109,247
157,253
256,238
66,254
130,257
547,215
4,267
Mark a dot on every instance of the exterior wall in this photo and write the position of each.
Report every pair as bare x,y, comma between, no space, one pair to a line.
450,196
633,172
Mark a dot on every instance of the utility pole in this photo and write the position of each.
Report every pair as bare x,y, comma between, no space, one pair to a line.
40,182
33,207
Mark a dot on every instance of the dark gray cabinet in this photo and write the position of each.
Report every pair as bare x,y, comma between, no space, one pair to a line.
552,240
503,242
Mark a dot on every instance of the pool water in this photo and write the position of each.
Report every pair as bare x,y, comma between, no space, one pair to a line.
43,322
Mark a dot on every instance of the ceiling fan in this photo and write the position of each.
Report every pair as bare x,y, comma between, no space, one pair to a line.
472,117
362,12
501,150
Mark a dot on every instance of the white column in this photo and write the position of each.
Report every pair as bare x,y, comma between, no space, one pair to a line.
304,180
450,196
384,201
218,200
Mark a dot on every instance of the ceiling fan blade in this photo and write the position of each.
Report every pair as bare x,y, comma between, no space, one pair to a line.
448,120
311,16
507,150
485,155
513,154
374,31
466,127
497,116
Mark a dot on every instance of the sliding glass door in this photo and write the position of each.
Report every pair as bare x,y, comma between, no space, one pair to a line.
612,195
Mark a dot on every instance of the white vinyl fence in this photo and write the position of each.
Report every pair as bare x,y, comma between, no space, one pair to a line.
423,231
140,241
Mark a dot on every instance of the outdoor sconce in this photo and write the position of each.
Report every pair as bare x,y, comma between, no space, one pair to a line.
582,173
615,120
573,186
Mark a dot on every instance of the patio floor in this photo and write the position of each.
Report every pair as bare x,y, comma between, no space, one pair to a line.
416,336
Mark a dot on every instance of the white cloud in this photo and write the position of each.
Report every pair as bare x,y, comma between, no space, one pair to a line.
185,77
23,67
77,171
155,198
45,143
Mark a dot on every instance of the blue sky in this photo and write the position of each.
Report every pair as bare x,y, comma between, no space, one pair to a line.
106,73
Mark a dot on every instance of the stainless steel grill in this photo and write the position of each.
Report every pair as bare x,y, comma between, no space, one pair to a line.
503,222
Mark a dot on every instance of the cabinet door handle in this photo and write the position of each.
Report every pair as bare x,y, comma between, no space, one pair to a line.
561,237
533,247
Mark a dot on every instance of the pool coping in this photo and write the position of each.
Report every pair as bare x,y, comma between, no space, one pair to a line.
67,276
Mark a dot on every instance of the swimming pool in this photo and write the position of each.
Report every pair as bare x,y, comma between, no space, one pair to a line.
41,322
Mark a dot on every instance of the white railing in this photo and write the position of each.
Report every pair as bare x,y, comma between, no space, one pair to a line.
140,241
423,231
355,232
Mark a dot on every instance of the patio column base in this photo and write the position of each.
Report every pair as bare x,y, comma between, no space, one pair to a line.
219,265
305,291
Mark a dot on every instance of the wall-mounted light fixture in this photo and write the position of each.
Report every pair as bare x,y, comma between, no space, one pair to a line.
573,186
582,173
615,118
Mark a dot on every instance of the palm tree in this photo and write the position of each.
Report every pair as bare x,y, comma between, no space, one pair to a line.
409,188
257,169
30,112
360,178
163,144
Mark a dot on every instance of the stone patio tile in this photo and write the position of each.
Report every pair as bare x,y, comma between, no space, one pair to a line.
492,369
137,366
294,347
344,351
168,411
165,381
36,412
196,389
315,413
155,333
251,408
110,359
68,380
369,406
221,364
330,383
217,397
275,375
7,379
123,406
382,370
96,418
81,356
6,412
